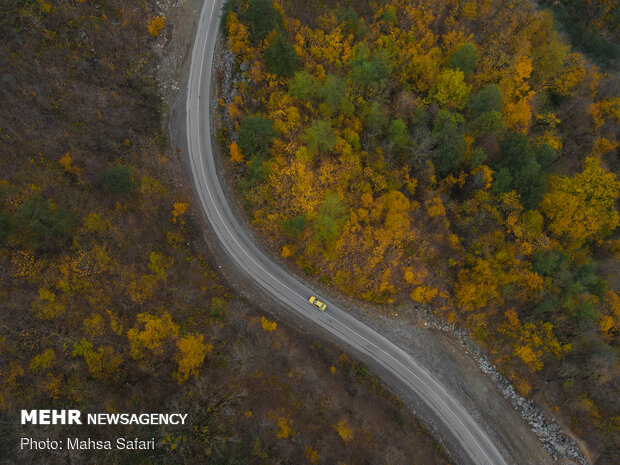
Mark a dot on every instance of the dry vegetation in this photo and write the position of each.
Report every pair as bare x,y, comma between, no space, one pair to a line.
108,301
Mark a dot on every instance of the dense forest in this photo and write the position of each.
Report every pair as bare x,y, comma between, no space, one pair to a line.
455,154
592,27
108,299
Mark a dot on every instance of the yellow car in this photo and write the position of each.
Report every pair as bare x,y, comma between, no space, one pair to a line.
314,301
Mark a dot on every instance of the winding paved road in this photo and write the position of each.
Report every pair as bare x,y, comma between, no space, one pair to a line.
399,370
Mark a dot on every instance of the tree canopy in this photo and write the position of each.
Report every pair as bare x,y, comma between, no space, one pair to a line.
280,58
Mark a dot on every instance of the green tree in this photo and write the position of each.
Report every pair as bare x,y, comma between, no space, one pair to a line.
320,136
502,181
547,262
255,136
351,22
450,145
376,118
258,169
397,134
516,148
546,156
464,58
261,18
281,58
330,218
294,227
489,98
529,183
303,86
518,170
390,15
117,180
476,158
370,72
49,227
490,122
333,92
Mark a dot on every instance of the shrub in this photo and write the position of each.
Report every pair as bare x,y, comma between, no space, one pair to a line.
49,228
117,180
5,229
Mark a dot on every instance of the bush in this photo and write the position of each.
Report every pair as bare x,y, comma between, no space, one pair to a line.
5,229
49,228
228,7
117,180
293,227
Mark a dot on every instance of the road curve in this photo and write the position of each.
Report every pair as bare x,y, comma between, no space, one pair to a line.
398,369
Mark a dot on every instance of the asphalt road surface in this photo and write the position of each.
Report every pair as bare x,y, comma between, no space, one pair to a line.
463,435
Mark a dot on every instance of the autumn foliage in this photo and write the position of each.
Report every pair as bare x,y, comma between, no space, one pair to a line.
156,24
459,155
108,299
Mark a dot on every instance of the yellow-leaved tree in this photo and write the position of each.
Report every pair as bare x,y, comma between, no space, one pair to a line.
477,286
268,326
236,156
151,334
156,24
530,341
192,353
344,431
451,90
178,210
582,207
